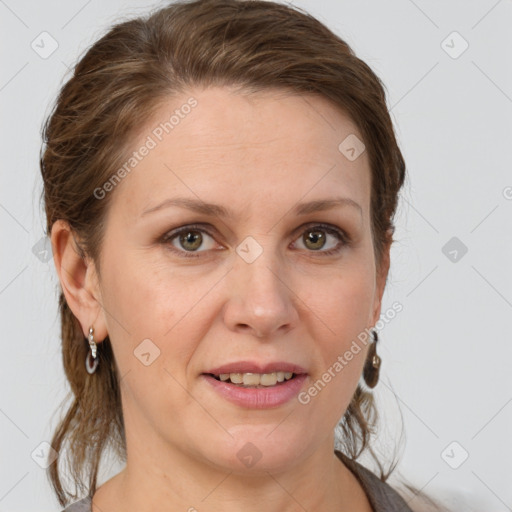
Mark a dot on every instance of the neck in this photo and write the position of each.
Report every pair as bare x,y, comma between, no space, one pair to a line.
179,481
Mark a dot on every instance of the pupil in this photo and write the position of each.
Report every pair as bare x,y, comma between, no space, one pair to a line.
315,237
190,237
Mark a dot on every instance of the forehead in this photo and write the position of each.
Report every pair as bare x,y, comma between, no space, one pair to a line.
243,149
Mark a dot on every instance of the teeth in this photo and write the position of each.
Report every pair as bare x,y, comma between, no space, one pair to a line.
236,378
268,379
251,379
256,379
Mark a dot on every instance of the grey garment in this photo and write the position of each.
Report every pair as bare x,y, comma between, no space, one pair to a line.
80,506
382,497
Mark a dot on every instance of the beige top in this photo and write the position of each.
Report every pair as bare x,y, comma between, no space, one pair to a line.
382,497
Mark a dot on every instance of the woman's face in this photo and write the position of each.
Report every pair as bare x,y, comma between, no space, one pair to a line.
270,286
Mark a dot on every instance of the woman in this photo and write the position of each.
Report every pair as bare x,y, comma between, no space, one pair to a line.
220,182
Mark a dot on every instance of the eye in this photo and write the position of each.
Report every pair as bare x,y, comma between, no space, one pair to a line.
315,238
188,240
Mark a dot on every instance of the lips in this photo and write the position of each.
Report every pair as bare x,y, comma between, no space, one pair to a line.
256,397
254,367
255,385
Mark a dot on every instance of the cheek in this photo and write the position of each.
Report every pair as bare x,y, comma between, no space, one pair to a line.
346,302
144,294
134,303
152,329
146,301
342,352
137,302
343,315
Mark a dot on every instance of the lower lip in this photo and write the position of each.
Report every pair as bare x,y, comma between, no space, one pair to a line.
258,398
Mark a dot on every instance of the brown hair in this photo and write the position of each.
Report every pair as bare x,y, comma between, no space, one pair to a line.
116,86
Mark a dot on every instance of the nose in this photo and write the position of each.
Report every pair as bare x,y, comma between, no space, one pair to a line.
260,302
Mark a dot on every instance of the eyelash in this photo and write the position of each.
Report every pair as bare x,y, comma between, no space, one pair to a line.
341,235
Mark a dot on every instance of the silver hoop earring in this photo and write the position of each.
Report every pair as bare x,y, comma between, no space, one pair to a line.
91,365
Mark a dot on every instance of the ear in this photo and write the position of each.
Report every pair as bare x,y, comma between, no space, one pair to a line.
79,280
381,277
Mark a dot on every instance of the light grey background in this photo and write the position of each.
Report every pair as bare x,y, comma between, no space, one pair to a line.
446,356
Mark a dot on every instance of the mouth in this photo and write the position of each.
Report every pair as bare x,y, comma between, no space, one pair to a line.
257,385
253,386
254,380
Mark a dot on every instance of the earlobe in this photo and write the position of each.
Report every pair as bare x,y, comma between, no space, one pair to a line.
78,279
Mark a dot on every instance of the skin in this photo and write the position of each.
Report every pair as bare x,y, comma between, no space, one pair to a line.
258,155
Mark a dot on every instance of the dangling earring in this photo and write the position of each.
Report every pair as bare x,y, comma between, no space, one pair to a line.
372,365
91,365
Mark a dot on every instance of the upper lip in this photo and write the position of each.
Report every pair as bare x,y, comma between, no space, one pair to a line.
255,367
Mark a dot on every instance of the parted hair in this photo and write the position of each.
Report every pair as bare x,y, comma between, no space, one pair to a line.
115,87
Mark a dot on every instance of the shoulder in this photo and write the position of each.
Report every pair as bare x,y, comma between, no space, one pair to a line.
80,506
381,495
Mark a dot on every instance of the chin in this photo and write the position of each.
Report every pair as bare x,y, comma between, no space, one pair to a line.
257,450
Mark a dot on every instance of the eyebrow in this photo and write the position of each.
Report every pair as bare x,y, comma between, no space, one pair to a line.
212,209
